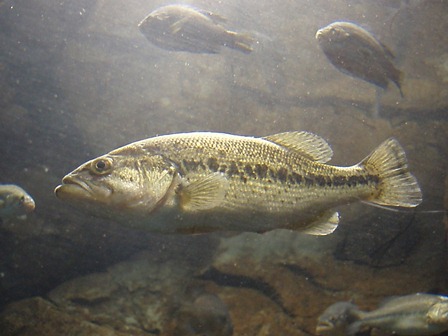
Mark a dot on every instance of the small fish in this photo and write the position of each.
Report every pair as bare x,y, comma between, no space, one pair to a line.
183,28
414,314
14,202
355,52
200,182
336,318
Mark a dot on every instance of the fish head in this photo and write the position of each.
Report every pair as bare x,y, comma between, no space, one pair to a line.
160,18
438,313
335,319
333,33
14,201
123,183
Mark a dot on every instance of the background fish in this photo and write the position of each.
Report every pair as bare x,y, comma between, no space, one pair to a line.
182,28
335,320
201,182
415,314
14,202
355,52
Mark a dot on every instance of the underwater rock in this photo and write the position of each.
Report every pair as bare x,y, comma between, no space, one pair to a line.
36,316
301,275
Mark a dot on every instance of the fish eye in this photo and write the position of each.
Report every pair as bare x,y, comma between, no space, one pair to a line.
101,166
22,200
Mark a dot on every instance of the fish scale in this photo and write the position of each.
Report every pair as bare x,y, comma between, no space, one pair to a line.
252,188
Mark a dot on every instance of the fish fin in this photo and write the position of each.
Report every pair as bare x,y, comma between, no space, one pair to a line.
307,144
240,42
397,78
204,193
365,53
387,51
325,225
177,26
216,18
397,186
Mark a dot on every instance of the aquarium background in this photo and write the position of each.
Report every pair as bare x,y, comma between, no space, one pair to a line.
78,79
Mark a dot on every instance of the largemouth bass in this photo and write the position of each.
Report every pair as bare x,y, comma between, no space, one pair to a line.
201,182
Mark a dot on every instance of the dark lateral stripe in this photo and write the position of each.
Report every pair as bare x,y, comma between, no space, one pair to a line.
282,175
193,165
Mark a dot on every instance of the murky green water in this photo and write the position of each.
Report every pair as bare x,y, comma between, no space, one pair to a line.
78,79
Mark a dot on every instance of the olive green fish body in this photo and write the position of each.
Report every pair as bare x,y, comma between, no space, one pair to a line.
265,180
200,182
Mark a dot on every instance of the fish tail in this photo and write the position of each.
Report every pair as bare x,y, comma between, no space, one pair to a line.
241,42
396,186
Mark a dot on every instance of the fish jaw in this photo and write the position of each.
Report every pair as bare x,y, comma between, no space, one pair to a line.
75,189
324,327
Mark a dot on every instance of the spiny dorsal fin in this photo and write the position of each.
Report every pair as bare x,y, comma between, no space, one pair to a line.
324,225
307,144
205,193
216,18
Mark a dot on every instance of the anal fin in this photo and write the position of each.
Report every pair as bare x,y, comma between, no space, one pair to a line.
324,225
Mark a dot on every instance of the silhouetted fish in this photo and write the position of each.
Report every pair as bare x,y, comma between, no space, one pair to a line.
183,28
355,52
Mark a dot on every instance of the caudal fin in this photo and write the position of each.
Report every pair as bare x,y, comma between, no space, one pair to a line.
397,186
240,41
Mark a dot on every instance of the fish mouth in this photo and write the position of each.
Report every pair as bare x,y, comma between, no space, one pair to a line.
319,34
323,327
73,187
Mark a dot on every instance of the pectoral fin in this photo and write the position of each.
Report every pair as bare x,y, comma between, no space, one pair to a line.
307,144
325,225
177,26
204,194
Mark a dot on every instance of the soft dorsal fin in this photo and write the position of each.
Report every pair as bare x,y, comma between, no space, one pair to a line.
307,144
204,193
